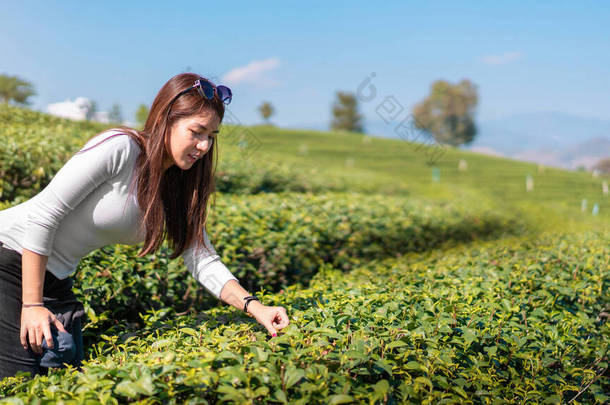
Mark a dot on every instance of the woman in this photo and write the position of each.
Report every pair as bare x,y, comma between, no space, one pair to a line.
124,186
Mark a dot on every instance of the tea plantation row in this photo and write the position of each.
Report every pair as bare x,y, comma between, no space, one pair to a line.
508,321
271,245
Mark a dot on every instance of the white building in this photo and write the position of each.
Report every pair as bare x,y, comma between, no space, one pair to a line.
76,110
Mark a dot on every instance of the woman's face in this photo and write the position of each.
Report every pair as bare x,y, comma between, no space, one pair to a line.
190,138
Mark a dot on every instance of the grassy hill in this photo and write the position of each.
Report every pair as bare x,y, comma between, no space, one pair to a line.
397,167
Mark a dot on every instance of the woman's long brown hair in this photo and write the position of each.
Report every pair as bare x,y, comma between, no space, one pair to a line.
174,202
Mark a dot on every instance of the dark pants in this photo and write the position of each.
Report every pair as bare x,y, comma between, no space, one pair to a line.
57,297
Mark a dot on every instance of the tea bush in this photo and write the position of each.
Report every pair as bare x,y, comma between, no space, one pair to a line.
275,240
520,321
33,147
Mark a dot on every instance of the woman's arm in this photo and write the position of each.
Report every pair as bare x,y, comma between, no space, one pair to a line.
205,265
35,320
33,268
272,318
233,294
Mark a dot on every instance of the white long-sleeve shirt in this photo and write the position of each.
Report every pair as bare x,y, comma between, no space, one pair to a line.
86,206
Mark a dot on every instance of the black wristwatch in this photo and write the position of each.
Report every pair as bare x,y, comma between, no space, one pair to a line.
248,299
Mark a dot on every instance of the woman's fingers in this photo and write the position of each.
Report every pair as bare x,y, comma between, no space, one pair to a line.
46,329
273,319
22,336
36,328
59,325
282,318
39,337
279,319
32,339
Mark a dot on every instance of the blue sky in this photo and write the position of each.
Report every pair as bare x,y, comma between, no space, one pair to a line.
523,57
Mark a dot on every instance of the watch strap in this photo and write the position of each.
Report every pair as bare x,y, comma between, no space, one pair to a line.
248,299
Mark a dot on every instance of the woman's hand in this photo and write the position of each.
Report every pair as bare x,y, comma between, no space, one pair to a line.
272,318
36,323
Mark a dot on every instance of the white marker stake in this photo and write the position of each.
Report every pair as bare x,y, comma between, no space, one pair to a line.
583,205
436,174
529,183
605,187
595,209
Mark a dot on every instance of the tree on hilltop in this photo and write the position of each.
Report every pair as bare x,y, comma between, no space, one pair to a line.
15,89
142,115
345,113
448,112
115,114
91,110
266,110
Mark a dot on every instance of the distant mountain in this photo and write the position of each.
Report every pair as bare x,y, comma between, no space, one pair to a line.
550,138
549,130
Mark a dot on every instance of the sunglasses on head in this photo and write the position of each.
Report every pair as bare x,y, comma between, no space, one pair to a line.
206,89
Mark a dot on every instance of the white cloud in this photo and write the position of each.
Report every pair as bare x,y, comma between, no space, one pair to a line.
253,73
502,59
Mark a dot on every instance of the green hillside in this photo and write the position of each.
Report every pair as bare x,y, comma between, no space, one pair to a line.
398,167
405,281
